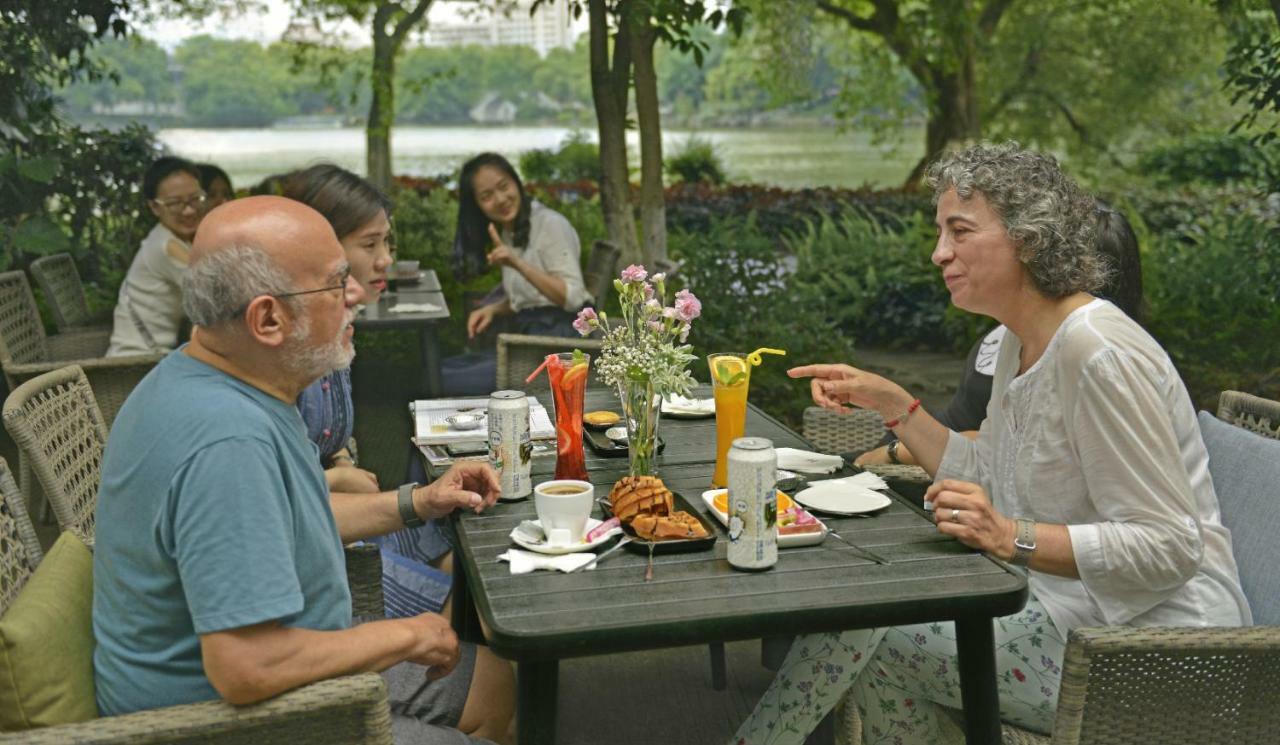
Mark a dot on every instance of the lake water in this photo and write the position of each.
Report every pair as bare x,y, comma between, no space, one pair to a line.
790,157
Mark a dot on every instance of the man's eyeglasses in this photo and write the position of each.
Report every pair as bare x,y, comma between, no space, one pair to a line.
178,204
342,285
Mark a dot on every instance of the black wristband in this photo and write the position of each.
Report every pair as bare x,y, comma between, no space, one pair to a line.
408,515
892,451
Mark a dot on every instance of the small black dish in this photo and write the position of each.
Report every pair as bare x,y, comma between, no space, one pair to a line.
602,445
677,546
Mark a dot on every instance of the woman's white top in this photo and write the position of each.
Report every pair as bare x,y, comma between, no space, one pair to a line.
149,310
1100,435
554,248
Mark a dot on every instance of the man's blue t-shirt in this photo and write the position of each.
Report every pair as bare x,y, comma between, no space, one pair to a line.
213,514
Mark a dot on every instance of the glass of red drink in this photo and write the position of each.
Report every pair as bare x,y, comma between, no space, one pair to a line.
567,372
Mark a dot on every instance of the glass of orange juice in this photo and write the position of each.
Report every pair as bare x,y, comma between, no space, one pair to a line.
730,379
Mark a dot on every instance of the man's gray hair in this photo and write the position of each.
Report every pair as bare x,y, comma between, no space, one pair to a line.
1047,215
220,285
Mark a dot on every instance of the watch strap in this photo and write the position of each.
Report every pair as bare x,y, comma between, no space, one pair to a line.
1024,542
404,500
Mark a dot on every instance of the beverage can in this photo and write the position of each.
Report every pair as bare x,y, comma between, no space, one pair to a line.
510,447
753,504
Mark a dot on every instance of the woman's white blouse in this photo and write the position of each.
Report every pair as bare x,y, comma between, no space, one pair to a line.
1100,435
554,248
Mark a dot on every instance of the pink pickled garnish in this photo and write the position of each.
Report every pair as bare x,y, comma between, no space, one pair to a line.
602,528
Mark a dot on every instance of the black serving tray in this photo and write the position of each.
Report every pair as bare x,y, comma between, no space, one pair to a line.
608,448
678,546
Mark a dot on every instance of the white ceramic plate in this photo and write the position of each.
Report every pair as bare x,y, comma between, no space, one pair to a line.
835,498
784,541
545,548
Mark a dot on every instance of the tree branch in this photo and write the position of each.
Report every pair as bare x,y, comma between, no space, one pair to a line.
409,21
991,14
851,18
1030,67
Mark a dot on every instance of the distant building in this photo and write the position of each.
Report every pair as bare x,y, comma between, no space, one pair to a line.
549,28
493,109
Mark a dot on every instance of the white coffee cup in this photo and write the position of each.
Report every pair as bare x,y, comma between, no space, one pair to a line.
563,507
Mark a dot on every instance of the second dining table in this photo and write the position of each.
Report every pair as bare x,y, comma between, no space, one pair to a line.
694,598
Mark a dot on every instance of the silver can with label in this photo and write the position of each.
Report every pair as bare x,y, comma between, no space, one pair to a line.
753,504
510,448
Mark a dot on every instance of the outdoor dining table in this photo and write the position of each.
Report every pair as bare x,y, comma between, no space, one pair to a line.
384,316
696,598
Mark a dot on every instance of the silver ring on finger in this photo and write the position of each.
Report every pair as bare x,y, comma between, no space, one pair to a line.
955,515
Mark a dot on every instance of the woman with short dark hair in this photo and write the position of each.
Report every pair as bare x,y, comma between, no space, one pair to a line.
148,314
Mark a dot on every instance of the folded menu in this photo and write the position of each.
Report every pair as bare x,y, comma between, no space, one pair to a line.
431,428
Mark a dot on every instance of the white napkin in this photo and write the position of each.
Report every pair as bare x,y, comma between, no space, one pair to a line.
677,404
523,562
864,480
807,462
413,308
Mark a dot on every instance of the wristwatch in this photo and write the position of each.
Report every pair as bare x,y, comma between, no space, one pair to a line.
892,452
1024,542
408,515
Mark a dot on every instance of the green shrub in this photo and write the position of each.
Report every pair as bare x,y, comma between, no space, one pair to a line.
875,282
697,160
1214,295
577,159
1214,159
749,300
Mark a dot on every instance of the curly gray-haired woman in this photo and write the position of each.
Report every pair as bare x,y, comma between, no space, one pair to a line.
1089,469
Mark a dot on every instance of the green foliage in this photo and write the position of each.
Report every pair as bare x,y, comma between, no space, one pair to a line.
1252,67
749,299
874,280
1214,294
136,70
577,159
231,83
696,160
1214,159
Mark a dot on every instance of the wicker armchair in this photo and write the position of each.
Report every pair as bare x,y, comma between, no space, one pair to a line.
855,432
521,354
1124,686
351,709
60,281
56,423
25,350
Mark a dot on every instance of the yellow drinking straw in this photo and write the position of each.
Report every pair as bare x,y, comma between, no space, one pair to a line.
754,357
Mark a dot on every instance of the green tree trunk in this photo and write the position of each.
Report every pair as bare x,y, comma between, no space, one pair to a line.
382,104
610,82
653,206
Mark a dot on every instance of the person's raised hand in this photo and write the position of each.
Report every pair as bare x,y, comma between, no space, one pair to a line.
478,321
436,644
834,386
466,485
500,254
963,511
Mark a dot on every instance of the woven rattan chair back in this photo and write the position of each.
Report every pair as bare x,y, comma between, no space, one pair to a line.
56,422
60,281
1250,412
602,267
855,432
22,337
19,547
521,354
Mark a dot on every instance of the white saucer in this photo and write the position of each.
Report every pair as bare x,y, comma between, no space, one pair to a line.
545,548
836,498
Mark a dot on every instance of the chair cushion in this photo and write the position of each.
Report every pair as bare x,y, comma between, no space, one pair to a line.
46,643
1246,475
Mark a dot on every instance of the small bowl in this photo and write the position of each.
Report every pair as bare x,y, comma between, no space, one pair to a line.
406,266
465,421
617,434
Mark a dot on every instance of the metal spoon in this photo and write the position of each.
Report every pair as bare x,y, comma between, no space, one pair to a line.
622,542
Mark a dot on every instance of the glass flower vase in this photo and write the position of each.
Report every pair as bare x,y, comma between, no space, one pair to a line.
641,408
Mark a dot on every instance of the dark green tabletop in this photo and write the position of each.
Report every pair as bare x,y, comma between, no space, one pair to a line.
695,598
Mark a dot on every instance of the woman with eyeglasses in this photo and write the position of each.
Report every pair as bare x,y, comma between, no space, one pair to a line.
148,311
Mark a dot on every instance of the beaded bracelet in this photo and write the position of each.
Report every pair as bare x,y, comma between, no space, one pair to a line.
902,418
